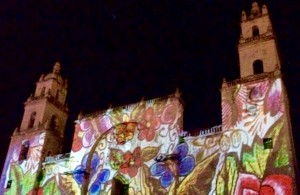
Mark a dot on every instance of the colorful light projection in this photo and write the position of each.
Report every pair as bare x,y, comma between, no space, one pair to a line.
22,172
131,139
57,176
139,146
256,147
122,144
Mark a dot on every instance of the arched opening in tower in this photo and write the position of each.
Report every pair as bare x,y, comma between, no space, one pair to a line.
258,67
43,91
24,150
255,31
53,122
31,120
57,94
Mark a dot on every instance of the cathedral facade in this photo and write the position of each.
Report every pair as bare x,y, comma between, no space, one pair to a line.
141,148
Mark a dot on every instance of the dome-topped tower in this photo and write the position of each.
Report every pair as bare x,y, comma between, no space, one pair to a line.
41,132
47,105
56,68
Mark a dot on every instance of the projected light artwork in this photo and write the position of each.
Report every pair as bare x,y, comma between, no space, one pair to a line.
23,164
140,147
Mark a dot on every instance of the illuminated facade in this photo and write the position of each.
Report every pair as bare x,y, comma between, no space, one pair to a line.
40,134
141,148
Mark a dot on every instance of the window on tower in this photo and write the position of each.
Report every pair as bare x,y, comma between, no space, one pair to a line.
268,143
255,31
53,122
24,150
32,119
258,67
8,185
57,94
43,91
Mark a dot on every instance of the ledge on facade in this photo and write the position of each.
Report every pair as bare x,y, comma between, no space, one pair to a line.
51,99
263,37
273,74
250,18
40,127
56,158
203,132
176,95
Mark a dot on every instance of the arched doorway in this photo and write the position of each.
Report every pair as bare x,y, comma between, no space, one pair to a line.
258,67
255,31
119,186
32,120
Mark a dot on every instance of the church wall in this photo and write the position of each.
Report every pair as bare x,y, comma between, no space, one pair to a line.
259,155
123,143
252,153
54,144
29,109
266,52
22,173
61,119
141,148
132,138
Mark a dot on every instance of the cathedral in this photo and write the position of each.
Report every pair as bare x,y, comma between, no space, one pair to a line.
142,148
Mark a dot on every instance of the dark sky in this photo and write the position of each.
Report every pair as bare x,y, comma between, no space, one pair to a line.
116,52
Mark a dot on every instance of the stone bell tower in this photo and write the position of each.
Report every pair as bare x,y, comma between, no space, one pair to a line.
40,134
257,45
47,106
257,106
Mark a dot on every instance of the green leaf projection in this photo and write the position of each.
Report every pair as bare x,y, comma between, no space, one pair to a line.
256,162
142,146
23,172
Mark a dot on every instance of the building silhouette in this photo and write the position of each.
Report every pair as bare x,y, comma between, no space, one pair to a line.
141,148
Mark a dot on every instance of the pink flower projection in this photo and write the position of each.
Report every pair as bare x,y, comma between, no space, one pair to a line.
88,130
89,133
132,162
77,140
271,185
149,124
274,104
148,119
254,106
171,113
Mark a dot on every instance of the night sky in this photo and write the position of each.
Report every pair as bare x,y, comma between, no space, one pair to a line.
116,52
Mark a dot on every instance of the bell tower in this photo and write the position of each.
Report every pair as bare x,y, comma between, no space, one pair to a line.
40,134
47,106
257,106
257,45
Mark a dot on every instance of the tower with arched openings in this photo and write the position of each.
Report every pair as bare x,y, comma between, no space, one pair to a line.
40,134
257,46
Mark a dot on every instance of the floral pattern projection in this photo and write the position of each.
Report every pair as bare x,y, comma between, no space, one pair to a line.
21,172
254,152
123,143
140,146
